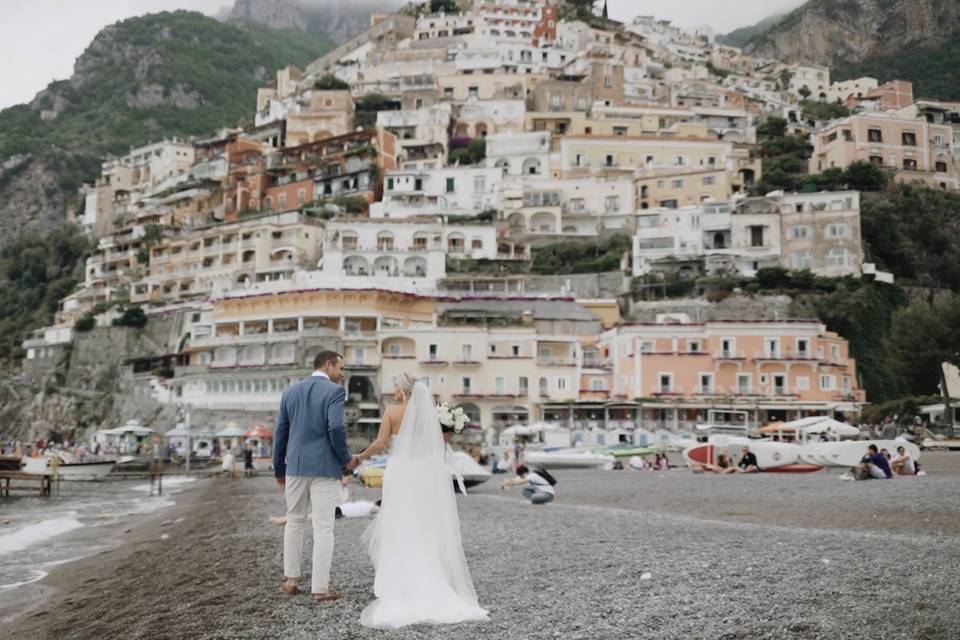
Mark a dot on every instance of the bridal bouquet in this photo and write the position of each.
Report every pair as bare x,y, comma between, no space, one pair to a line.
454,419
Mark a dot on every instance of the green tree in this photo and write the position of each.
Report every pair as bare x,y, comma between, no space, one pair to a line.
865,176
804,92
132,317
447,6
330,82
923,336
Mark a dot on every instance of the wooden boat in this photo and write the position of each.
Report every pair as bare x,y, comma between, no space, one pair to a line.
69,468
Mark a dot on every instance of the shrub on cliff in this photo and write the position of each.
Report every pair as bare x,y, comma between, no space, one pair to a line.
132,317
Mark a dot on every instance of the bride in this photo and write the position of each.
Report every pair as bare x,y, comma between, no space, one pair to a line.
414,542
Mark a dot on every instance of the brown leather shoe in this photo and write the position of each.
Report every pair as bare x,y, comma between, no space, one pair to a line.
329,596
289,589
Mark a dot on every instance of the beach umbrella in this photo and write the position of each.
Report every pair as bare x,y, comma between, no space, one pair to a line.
259,431
231,431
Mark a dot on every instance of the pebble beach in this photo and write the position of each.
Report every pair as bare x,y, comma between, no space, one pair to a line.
619,555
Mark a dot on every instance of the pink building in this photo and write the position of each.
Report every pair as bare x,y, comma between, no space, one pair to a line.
673,374
916,149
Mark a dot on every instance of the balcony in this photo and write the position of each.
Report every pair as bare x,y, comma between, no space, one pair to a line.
597,363
785,354
729,355
548,361
434,362
467,363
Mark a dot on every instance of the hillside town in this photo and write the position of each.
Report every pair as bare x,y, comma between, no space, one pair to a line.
388,200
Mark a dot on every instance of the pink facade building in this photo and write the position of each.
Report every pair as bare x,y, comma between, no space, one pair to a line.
916,149
670,375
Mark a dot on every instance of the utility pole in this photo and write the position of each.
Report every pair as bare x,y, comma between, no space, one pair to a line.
189,446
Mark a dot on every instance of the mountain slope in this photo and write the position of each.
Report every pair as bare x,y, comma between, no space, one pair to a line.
337,20
842,32
139,80
740,37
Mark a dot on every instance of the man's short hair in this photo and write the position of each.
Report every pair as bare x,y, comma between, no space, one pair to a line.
873,448
522,470
323,358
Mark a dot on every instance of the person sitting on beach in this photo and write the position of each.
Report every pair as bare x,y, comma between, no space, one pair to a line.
540,491
501,465
903,464
637,463
873,465
748,462
722,466
660,462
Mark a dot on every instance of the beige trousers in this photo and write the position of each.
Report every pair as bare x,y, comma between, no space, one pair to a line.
321,496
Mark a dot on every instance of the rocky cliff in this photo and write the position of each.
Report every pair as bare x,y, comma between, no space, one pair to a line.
140,80
335,19
840,32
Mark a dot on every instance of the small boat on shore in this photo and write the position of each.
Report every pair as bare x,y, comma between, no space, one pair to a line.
69,467
568,459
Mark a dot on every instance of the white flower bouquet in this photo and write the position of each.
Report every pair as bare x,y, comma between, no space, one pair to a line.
451,419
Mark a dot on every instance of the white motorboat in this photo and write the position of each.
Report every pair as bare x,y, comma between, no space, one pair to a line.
568,459
70,468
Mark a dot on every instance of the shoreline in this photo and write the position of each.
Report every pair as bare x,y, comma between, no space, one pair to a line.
574,568
121,539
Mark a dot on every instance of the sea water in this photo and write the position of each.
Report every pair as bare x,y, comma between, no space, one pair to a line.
38,533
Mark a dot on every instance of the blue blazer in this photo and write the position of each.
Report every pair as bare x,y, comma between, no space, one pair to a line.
311,439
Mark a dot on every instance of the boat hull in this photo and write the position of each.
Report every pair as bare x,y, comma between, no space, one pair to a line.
70,471
849,453
562,460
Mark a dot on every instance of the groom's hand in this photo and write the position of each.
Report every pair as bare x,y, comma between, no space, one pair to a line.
282,481
354,461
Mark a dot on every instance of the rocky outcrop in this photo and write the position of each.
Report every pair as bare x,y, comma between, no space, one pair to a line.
276,14
836,32
31,199
336,19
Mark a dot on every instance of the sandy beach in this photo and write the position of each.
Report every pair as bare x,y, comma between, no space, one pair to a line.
768,556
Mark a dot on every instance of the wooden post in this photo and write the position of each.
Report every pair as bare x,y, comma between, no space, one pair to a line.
55,472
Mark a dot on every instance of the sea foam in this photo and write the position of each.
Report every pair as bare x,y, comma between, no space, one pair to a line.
32,534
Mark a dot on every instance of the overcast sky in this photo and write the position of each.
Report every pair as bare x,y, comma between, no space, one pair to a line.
40,39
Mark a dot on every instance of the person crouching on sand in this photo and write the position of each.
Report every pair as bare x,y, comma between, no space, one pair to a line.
540,491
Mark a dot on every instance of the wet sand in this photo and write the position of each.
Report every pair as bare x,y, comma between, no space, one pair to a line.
767,556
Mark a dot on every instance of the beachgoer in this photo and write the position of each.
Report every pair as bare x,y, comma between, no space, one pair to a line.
723,465
540,490
903,464
873,465
748,462
637,463
660,462
248,468
501,465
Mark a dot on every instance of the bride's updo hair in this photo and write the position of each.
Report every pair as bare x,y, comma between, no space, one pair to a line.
405,383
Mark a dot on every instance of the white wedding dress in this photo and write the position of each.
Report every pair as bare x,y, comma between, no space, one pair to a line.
414,542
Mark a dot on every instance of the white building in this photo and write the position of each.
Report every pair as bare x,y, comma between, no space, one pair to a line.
525,154
382,252
422,135
445,191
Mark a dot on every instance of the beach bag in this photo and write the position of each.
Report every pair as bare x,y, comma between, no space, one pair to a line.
543,473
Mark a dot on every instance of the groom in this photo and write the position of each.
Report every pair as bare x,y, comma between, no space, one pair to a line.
309,455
